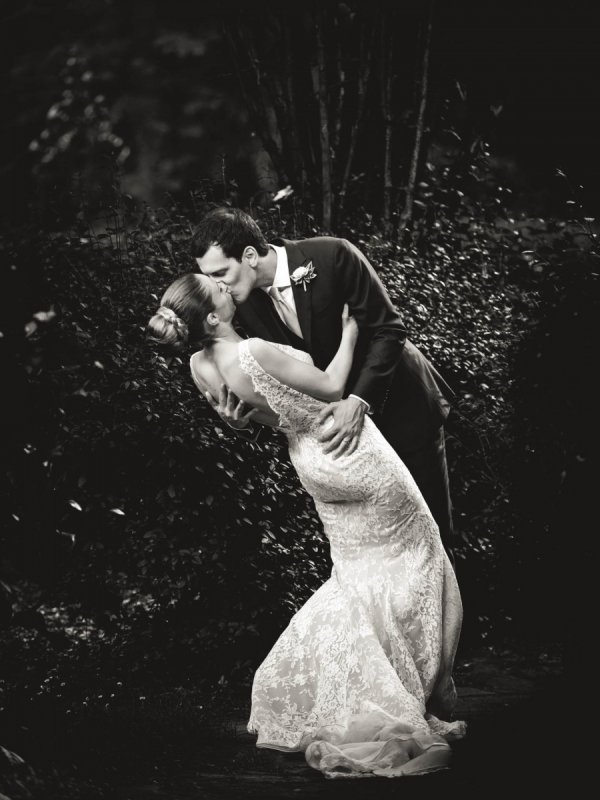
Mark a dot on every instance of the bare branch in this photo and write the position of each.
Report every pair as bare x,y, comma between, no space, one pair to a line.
406,215
364,72
254,90
386,104
296,156
320,88
341,74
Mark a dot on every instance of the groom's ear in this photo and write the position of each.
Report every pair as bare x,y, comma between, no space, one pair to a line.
250,256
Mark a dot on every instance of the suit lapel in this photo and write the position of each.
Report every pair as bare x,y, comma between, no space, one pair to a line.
303,299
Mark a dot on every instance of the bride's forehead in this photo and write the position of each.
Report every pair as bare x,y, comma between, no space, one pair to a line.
210,283
207,283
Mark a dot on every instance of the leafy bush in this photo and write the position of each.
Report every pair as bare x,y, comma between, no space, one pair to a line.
149,547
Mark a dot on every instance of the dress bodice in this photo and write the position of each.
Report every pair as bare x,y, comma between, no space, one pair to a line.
296,411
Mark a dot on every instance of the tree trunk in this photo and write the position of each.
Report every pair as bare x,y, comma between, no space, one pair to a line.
320,87
296,155
386,104
364,71
338,103
406,215
257,97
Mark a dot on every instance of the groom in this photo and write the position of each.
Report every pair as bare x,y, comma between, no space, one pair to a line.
293,292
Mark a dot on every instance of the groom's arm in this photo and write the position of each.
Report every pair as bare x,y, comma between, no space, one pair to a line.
377,319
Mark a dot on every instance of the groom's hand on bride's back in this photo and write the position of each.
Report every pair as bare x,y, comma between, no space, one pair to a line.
233,411
341,438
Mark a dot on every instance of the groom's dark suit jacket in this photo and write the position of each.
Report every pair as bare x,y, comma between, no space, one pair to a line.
408,397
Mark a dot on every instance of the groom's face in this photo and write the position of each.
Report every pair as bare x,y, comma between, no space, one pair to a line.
238,276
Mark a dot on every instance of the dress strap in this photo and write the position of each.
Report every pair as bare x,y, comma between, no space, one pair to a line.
264,384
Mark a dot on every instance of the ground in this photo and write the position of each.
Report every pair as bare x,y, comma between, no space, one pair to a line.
517,739
508,703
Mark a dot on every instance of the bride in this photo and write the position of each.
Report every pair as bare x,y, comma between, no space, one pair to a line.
360,676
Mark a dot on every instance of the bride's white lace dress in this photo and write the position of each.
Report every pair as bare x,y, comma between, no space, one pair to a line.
355,678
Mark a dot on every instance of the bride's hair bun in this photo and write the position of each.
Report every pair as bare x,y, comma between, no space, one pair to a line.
181,318
167,329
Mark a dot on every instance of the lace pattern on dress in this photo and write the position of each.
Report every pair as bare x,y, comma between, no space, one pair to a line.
352,679
296,411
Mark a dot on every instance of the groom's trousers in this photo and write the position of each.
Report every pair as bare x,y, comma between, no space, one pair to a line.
427,464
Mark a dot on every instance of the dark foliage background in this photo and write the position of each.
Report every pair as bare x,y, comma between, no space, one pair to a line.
149,559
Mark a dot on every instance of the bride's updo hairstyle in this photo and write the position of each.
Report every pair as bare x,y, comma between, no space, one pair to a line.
179,321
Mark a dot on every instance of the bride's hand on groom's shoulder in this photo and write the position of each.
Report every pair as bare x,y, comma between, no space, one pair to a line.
231,409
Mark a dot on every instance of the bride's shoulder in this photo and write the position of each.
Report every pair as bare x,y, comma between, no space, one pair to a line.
255,343
198,361
271,355
209,375
260,348
204,372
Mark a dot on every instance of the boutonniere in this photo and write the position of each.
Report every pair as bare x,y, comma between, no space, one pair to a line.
304,274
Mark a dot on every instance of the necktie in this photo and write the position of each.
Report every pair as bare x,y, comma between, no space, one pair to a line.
286,312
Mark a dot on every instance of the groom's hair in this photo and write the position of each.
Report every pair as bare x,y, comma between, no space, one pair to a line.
230,228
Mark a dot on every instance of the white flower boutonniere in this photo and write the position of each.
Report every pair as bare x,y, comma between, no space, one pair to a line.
304,274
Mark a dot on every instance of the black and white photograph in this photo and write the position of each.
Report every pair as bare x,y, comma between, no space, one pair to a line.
299,346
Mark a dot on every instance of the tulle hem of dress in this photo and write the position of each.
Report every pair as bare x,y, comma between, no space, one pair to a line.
371,747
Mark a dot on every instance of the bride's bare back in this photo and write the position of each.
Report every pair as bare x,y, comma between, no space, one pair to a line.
210,373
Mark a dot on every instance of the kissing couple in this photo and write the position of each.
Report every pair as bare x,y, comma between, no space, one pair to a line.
360,681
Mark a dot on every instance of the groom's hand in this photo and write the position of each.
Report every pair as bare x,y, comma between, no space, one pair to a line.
342,437
231,409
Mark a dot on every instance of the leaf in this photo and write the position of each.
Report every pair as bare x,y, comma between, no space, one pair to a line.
44,316
282,194
68,537
117,511
75,505
12,759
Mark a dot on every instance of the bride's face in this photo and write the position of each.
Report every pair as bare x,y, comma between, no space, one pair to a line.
221,298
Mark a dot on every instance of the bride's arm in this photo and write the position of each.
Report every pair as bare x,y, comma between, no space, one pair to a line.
340,365
325,385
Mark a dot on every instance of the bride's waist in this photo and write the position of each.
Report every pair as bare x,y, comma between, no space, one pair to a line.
353,530
307,424
365,559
